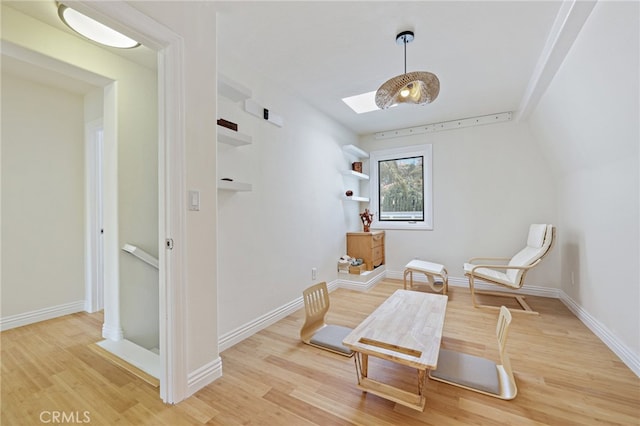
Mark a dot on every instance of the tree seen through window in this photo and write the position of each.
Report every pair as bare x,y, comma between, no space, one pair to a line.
401,189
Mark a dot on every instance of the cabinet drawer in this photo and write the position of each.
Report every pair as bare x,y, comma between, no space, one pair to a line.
377,240
377,253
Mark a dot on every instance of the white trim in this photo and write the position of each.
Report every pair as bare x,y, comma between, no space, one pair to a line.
564,32
631,359
461,123
239,334
112,332
618,347
111,259
47,62
362,282
530,290
204,375
229,339
94,247
18,320
171,170
422,150
172,222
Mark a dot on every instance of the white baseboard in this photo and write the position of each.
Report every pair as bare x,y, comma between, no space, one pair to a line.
239,334
18,320
110,332
362,282
623,352
530,290
204,375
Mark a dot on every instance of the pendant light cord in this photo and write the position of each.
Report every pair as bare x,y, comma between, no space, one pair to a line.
405,54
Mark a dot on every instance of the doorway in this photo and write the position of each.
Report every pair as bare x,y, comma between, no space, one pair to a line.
170,185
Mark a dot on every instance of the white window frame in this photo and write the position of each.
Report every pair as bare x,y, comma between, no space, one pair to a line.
424,150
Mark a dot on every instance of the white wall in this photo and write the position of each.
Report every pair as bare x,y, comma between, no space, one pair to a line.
587,124
196,24
489,183
295,218
42,197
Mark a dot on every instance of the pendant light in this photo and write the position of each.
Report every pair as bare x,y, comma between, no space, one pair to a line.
418,87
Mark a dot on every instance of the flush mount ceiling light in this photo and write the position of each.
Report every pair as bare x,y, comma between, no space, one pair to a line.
418,87
94,30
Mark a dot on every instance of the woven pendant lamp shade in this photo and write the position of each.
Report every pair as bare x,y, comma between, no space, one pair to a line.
421,87
418,87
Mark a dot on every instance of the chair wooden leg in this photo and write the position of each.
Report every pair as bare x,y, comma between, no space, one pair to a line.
410,273
473,293
526,309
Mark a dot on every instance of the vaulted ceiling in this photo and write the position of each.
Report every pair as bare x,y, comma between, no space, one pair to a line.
484,53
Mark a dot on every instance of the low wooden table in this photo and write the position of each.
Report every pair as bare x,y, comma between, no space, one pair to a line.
405,329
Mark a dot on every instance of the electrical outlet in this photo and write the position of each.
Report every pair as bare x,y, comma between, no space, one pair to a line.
314,273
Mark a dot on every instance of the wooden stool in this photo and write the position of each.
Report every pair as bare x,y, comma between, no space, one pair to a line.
430,270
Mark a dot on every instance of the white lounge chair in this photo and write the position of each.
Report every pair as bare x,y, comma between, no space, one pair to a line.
511,272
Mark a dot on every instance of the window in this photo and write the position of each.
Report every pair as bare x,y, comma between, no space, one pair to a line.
401,188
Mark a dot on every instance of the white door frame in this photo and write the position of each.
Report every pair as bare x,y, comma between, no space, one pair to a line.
94,246
171,190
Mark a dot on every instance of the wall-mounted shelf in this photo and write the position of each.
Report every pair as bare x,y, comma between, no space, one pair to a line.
232,90
254,108
226,185
353,173
359,199
358,153
229,137
355,151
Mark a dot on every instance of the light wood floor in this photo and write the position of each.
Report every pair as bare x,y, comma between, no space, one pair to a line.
565,375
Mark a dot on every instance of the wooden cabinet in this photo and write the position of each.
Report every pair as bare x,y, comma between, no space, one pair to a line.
368,246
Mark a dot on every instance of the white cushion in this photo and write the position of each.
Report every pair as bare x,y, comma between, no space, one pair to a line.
427,267
538,242
536,236
535,249
489,274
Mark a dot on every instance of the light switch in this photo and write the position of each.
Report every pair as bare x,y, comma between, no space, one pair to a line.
194,200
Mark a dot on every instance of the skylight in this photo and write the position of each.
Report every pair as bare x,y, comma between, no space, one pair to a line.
365,102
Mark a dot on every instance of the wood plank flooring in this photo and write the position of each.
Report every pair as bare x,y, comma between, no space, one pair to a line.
565,375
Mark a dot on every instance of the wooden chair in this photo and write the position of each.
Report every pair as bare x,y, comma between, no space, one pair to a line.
315,331
480,374
511,275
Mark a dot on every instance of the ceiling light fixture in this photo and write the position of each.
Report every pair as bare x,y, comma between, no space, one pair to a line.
94,30
418,87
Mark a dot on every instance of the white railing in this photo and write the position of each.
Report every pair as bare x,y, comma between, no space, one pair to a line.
141,254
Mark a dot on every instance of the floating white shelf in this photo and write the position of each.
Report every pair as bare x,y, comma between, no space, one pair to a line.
229,137
355,151
232,90
226,185
355,174
254,108
359,199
